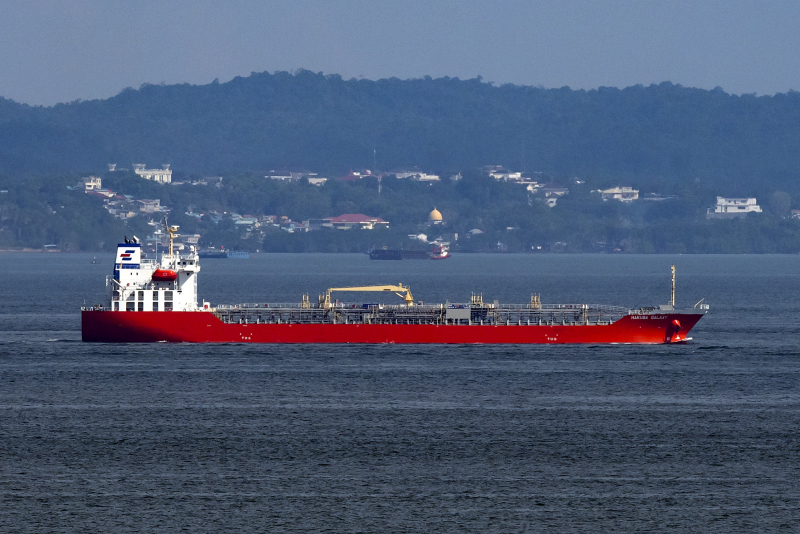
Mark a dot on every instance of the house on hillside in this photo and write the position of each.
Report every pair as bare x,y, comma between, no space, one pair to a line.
313,179
355,220
186,241
245,221
92,183
731,208
285,176
162,176
506,176
149,206
416,175
102,193
623,194
552,193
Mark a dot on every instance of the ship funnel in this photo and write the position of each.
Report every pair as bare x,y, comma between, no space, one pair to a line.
128,261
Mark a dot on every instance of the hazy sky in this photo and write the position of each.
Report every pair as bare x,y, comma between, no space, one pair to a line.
62,50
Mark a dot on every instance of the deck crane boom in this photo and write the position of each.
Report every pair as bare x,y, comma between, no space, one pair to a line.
401,291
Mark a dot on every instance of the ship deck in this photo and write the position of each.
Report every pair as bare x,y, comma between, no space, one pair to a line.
455,314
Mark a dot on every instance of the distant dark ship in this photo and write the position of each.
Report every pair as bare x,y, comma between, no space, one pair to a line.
440,251
398,254
222,254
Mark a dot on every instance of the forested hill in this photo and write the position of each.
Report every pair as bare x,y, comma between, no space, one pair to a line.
649,137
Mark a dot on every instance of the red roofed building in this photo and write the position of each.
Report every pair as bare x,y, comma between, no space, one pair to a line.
356,220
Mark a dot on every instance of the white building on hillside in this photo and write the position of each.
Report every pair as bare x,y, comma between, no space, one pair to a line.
355,220
149,206
729,208
92,183
417,175
623,194
162,176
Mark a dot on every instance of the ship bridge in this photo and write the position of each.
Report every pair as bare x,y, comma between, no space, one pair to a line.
140,284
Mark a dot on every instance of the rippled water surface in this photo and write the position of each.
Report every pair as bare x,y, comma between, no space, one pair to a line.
267,438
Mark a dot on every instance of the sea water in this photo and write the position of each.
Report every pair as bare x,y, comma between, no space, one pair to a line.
701,437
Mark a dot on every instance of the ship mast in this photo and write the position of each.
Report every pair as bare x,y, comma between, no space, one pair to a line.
672,300
173,230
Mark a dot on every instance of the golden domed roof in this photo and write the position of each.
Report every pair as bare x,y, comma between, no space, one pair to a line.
435,215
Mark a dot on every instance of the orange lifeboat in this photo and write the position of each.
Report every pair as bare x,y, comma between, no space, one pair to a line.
164,275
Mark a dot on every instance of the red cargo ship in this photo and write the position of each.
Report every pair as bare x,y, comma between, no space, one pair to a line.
149,301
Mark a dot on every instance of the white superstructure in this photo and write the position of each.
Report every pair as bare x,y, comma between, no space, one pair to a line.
168,284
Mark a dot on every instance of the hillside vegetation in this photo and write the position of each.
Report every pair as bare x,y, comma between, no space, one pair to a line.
648,137
688,144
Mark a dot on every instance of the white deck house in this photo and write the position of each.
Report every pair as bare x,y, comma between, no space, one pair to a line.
162,176
729,208
143,285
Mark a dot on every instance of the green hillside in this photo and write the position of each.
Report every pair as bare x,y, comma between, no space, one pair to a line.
647,137
688,145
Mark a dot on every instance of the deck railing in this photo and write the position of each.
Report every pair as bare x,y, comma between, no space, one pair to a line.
350,313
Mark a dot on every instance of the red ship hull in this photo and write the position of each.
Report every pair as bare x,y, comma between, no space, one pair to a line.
205,327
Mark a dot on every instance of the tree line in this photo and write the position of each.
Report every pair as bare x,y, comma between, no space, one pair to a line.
655,137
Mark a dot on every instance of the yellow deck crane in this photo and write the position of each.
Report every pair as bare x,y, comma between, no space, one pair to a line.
399,290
